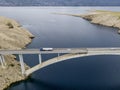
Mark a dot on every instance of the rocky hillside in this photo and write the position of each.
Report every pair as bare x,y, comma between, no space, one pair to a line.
59,2
12,36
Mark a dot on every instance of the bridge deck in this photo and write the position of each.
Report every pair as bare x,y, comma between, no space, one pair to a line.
60,50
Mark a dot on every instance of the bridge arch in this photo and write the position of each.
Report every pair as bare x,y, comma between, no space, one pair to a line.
62,58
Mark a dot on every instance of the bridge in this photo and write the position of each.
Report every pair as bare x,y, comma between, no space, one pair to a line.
68,53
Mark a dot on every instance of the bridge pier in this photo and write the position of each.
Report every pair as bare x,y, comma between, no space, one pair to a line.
2,61
58,54
40,58
2,56
22,64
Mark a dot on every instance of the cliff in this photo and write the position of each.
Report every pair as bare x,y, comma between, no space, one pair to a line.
106,18
12,36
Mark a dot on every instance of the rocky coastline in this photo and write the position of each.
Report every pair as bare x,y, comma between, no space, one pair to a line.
12,36
101,17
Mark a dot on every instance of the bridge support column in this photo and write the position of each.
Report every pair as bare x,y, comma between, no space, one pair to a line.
58,54
22,64
2,61
40,58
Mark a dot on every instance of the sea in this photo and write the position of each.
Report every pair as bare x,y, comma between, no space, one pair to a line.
101,72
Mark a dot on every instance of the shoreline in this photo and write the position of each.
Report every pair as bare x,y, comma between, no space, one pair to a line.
17,82
102,17
12,36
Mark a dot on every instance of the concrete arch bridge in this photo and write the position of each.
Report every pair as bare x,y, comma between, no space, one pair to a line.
69,53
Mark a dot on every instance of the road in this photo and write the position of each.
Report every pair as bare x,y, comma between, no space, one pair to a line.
62,50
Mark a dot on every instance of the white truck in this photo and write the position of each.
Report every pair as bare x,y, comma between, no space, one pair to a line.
46,49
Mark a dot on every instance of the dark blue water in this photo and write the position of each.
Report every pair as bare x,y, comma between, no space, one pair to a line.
51,30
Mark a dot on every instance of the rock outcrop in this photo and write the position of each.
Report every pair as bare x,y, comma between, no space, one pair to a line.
12,36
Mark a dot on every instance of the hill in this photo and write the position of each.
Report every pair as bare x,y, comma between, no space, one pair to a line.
59,2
